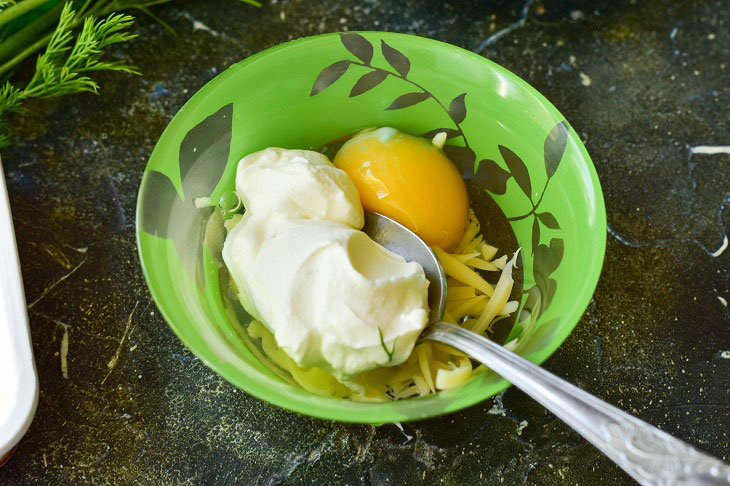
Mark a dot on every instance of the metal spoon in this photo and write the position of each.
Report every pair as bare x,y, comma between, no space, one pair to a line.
646,453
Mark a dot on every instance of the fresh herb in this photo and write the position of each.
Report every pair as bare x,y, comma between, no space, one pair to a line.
385,348
62,68
28,26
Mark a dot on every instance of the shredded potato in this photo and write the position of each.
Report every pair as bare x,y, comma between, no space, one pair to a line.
431,367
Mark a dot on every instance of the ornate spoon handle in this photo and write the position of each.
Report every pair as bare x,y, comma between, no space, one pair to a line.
650,456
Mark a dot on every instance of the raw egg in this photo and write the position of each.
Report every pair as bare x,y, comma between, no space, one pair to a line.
408,179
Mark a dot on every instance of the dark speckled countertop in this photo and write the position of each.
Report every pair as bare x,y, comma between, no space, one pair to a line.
645,83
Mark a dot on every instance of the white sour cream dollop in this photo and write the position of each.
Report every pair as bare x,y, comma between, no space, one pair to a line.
332,297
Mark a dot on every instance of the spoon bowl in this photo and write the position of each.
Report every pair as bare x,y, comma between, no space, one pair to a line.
397,238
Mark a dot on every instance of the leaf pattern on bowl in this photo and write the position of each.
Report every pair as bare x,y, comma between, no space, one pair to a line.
546,258
399,67
202,160
487,173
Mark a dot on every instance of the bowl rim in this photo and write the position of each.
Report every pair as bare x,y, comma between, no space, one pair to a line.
373,413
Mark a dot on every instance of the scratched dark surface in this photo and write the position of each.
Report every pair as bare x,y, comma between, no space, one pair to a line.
646,84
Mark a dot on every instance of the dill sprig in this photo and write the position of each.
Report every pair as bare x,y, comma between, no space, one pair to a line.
28,26
61,68
57,73
388,352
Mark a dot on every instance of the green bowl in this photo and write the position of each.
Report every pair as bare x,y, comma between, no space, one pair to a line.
510,143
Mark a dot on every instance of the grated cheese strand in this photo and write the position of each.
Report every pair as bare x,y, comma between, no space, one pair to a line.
448,317
421,385
460,293
499,299
500,262
471,232
449,350
509,308
488,251
422,351
456,269
463,309
481,265
446,379
462,257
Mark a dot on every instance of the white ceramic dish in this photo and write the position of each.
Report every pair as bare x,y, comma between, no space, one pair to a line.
18,379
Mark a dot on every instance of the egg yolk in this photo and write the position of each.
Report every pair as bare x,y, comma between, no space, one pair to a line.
408,179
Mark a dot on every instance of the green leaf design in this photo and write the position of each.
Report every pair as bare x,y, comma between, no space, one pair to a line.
204,153
532,300
543,263
519,171
162,205
450,133
548,258
358,46
463,158
368,81
396,59
202,160
555,147
535,234
408,99
492,176
159,196
552,286
548,219
457,109
556,250
329,75
547,287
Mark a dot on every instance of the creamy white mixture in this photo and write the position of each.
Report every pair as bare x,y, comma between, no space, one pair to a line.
332,297
297,184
